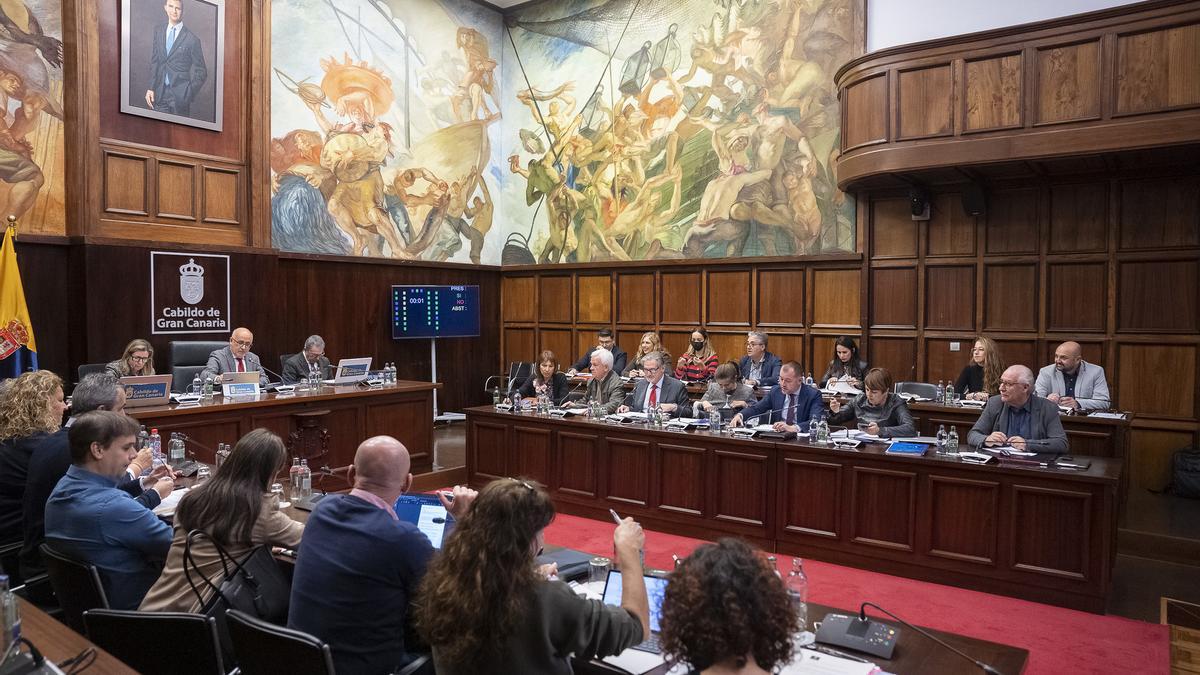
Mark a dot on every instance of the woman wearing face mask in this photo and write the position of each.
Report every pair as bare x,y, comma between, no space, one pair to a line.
649,344
699,362
726,383
886,412
547,380
845,366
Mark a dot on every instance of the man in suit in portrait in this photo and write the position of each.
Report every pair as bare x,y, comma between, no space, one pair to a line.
1019,418
789,403
311,360
235,358
657,389
177,70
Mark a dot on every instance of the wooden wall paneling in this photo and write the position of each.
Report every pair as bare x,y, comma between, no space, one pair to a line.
575,463
1078,218
787,346
1156,70
519,298
897,354
1012,221
531,458
1015,351
993,93
127,181
485,450
1009,303
808,494
950,231
822,353
780,297
676,342
682,477
1065,554
1150,456
519,345
1153,379
52,306
554,298
894,297
836,298
893,231
176,190
585,339
729,298
680,299
558,341
865,113
1160,213
635,298
222,195
1068,85
737,473
1094,351
1076,297
1158,296
962,517
884,513
593,298
627,466
950,297
943,364
925,102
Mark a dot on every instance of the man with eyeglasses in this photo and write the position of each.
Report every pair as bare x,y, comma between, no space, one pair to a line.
1019,418
309,361
788,406
759,367
656,388
235,358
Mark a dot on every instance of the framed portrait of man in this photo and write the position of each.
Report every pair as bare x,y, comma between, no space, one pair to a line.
173,60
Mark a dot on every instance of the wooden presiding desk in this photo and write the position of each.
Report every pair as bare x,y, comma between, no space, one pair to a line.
1041,534
325,427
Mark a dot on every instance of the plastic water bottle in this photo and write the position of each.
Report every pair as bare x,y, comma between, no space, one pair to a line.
223,451
294,479
196,384
305,480
11,614
940,397
516,402
208,388
949,393
952,442
823,432
496,398
773,563
177,451
813,426
797,589
941,439
156,447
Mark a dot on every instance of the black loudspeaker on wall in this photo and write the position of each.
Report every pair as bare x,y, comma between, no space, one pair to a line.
974,201
918,203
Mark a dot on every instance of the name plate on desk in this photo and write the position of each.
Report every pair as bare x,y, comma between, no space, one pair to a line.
147,390
240,390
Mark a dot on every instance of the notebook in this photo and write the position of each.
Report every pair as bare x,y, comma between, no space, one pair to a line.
656,587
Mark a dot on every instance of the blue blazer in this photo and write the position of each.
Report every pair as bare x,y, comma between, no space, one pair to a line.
770,369
808,405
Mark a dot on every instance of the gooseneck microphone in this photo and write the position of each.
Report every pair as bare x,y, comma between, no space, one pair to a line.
862,616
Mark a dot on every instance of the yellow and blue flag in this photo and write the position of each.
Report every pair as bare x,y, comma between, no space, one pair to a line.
18,350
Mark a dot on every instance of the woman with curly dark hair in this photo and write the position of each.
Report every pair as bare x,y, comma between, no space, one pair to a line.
483,607
726,611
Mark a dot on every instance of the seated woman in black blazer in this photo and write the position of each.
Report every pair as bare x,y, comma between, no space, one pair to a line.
845,364
547,380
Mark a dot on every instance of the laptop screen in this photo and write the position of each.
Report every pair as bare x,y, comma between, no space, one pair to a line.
428,514
656,587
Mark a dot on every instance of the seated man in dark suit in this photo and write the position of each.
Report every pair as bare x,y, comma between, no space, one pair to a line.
1019,418
310,361
759,367
359,565
235,358
607,342
789,402
657,389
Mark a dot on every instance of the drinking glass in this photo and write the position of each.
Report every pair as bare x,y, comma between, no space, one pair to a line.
278,502
598,569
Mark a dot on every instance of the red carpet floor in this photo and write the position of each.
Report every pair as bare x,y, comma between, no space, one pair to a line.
1060,641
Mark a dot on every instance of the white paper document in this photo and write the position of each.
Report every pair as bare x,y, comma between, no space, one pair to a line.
809,662
166,508
1108,415
636,661
432,523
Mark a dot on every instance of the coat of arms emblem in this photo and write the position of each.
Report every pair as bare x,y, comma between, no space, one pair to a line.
191,282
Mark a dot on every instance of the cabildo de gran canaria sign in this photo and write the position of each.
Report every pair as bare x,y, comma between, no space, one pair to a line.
189,293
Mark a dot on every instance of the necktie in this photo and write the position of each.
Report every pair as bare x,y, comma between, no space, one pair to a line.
653,395
241,366
171,37
790,416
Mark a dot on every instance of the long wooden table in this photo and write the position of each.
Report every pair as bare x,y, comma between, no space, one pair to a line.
1041,534
58,643
325,426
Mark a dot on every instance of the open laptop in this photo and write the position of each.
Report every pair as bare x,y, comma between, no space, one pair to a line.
146,390
428,514
350,371
656,588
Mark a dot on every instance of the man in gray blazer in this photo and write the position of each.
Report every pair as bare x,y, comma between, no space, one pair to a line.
1072,382
606,387
1019,418
298,367
656,388
236,358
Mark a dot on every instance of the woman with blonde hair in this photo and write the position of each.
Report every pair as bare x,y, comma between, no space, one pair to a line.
136,360
980,379
650,343
31,408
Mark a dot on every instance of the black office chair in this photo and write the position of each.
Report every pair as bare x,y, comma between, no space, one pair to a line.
123,634
266,649
283,359
422,665
922,389
187,359
77,585
86,369
518,373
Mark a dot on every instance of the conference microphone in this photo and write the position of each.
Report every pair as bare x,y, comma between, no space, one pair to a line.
326,472
862,617
271,372
570,393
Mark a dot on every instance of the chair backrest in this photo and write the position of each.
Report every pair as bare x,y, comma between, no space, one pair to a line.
186,359
77,585
266,649
283,358
518,372
86,369
124,635
922,389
